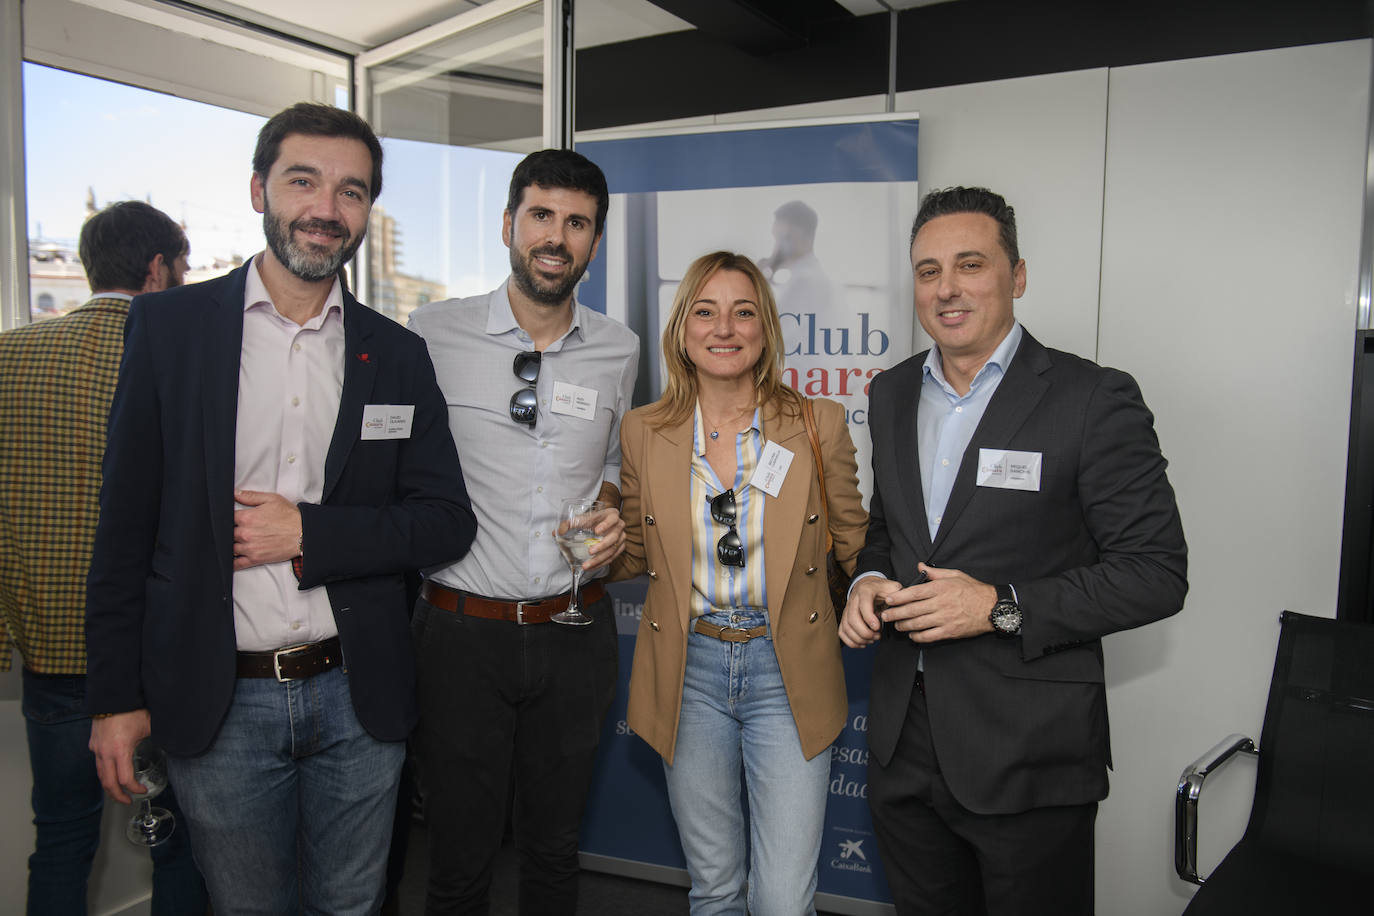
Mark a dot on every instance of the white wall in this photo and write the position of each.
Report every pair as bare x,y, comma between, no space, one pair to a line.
1231,229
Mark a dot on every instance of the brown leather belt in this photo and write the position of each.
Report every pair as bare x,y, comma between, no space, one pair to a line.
293,662
728,634
520,612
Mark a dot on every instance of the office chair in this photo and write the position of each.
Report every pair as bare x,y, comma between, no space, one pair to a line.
1309,845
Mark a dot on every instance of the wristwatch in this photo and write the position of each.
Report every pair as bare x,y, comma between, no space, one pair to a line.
1006,613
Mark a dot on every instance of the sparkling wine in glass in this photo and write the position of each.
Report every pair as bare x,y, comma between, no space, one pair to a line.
149,826
576,534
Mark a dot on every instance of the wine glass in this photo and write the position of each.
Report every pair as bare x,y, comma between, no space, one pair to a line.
149,826
576,534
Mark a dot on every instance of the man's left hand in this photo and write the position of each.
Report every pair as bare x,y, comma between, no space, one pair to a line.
951,605
269,531
610,527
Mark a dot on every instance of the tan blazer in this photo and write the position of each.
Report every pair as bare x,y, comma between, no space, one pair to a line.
654,480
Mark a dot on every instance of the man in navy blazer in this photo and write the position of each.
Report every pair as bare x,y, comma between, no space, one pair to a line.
1020,512
278,457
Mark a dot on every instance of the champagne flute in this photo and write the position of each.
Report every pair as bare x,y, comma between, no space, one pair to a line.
576,534
149,826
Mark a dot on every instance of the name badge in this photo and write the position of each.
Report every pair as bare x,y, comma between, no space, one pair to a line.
574,400
772,468
387,421
1009,470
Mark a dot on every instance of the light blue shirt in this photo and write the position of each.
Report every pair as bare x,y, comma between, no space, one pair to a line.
714,585
946,421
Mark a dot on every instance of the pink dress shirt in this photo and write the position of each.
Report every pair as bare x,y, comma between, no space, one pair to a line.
290,383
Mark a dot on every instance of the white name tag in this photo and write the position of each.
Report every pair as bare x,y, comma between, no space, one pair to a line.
574,400
1009,470
772,468
387,421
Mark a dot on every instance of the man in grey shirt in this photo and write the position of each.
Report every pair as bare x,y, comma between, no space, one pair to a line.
536,386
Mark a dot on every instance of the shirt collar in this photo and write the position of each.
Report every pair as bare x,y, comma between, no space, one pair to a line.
108,294
501,318
255,294
934,368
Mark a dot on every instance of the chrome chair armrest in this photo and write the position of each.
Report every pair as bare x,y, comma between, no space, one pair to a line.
1186,799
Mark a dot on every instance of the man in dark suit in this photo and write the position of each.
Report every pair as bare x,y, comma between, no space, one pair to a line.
278,456
1020,513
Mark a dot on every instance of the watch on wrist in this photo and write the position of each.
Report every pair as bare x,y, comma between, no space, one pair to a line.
1006,613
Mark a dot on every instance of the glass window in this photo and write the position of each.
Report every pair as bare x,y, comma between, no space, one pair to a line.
90,142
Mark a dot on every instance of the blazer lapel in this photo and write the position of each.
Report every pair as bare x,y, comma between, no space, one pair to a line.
907,441
669,452
1020,390
360,375
784,515
223,345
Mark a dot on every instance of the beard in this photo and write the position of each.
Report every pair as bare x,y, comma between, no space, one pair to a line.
542,291
310,262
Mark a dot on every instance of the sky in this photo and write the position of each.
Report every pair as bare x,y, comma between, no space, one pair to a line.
194,161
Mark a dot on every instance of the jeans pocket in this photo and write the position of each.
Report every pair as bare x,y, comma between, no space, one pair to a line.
53,699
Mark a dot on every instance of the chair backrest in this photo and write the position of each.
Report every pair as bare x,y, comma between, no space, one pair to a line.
1314,791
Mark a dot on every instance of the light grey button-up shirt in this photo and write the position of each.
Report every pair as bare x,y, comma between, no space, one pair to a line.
515,475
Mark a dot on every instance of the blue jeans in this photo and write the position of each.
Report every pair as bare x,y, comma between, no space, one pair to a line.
67,804
291,807
735,714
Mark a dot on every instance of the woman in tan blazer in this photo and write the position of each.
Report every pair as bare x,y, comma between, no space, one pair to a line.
737,661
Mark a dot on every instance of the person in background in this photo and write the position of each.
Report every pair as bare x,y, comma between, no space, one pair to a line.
737,661
56,380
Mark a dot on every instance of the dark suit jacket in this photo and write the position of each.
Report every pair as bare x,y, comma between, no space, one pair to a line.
160,624
1022,723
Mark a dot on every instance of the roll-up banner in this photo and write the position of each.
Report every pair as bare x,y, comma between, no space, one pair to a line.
824,206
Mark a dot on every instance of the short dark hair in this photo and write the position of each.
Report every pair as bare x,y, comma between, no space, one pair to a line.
560,168
948,201
797,213
118,242
316,120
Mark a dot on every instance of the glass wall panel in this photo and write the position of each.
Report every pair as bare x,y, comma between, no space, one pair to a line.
90,142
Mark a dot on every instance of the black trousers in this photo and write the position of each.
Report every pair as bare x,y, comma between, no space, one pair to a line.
945,860
500,701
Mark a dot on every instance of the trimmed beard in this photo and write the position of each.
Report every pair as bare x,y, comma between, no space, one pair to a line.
307,262
529,285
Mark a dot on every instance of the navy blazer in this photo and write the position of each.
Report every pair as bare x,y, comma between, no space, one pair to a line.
160,622
1022,723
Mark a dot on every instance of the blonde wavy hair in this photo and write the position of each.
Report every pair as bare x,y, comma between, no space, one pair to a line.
680,389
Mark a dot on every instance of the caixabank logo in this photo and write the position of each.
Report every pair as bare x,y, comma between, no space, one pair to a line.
850,854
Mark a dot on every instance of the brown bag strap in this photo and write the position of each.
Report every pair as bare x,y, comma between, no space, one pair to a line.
809,418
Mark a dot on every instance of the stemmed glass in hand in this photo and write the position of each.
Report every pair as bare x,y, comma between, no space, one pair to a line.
576,534
149,826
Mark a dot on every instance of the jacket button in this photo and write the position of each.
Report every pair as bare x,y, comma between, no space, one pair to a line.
813,618
653,575
812,519
653,625
811,571
648,519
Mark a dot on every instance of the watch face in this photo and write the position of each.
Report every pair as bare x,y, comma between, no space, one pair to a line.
1006,618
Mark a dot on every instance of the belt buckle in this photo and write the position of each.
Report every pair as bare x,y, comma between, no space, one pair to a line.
520,612
276,660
